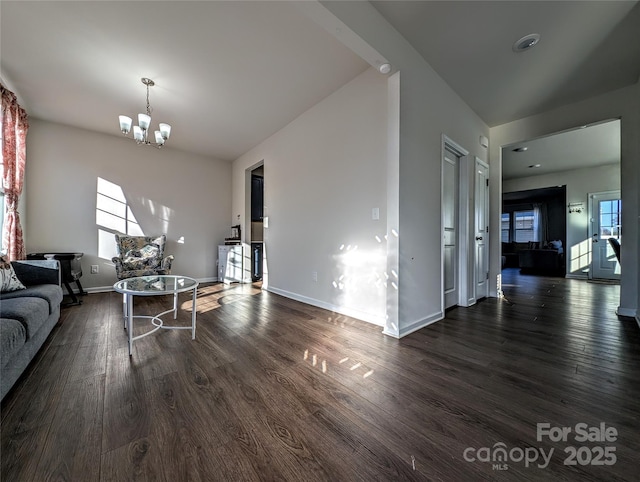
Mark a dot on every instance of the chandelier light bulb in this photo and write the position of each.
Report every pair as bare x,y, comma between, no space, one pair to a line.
125,124
165,130
144,121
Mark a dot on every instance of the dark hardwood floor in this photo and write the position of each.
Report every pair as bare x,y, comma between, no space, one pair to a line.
272,389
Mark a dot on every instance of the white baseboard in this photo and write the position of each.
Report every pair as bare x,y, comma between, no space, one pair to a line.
630,312
97,289
106,289
207,280
351,312
417,325
583,276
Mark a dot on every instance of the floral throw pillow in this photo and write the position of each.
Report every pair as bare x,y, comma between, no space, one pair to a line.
8,279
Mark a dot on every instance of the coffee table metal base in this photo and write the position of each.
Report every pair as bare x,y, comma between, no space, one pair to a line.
157,285
156,320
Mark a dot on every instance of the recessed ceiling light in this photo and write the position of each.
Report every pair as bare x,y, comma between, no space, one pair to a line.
534,166
520,149
526,42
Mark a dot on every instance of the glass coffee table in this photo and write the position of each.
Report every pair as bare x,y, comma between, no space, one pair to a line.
154,286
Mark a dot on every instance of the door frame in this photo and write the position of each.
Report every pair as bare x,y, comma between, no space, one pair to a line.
467,276
594,198
246,231
483,232
462,271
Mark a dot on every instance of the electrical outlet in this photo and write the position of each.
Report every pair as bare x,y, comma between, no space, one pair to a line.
94,269
314,276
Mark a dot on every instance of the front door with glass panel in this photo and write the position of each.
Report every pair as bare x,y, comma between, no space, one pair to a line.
605,223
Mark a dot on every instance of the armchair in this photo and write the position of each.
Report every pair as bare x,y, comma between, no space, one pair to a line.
615,245
141,256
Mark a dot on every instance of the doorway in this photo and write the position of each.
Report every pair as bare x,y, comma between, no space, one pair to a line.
585,160
450,207
465,229
481,224
257,223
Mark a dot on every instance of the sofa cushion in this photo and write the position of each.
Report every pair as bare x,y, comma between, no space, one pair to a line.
32,312
52,294
12,337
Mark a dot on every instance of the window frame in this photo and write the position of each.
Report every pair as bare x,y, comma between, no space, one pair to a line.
516,230
508,228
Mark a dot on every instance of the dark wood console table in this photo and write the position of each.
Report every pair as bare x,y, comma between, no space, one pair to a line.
71,271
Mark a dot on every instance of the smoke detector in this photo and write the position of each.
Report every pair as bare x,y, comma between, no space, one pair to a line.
385,68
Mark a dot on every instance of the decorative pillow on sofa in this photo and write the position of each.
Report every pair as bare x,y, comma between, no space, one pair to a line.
8,279
557,245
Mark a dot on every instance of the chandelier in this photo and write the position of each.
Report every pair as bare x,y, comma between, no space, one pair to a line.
141,131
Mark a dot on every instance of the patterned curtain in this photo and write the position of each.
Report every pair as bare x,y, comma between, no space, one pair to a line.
14,137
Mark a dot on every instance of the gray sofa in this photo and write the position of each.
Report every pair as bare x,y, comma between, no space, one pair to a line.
27,317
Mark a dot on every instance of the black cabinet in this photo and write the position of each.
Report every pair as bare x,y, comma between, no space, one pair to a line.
257,198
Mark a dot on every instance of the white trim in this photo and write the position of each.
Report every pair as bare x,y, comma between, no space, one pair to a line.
466,231
353,313
458,150
106,289
630,312
212,279
593,197
486,232
417,325
582,276
97,289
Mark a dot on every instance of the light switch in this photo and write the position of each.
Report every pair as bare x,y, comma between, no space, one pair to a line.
375,214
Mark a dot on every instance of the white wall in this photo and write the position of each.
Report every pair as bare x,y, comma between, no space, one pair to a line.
324,173
580,183
429,108
622,103
183,195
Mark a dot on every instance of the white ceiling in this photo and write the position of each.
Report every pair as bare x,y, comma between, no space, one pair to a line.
230,74
587,146
227,74
586,48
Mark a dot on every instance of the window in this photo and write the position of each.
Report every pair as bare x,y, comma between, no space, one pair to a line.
505,225
610,218
523,223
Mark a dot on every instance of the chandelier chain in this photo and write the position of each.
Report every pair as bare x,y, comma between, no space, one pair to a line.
149,109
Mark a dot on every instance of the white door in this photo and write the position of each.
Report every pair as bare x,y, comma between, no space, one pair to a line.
481,269
605,223
450,176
